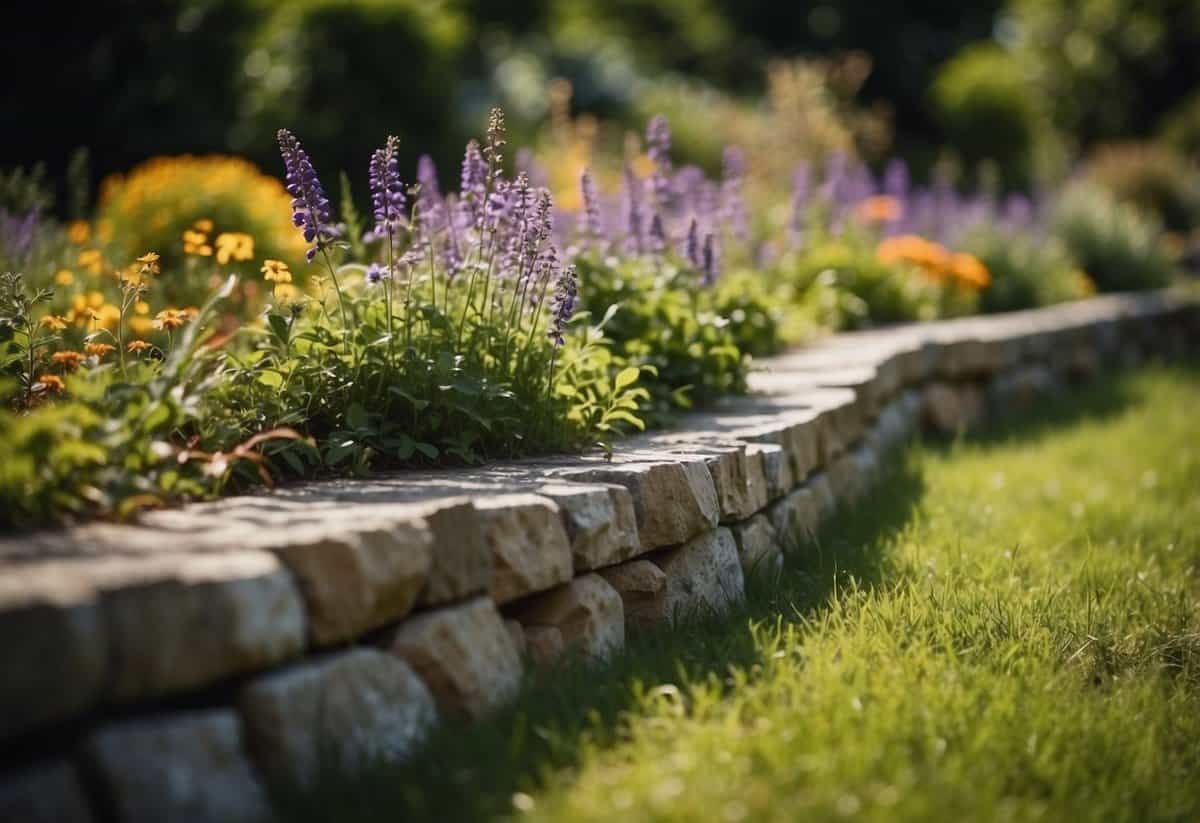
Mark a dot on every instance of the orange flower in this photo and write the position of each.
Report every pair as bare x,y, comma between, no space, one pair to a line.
100,350
170,319
138,346
51,384
69,360
879,209
970,271
54,322
78,232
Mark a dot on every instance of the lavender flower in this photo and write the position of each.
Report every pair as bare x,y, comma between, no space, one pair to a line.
387,192
692,251
376,274
733,207
895,179
658,142
563,304
708,266
310,207
634,243
593,231
473,189
800,190
658,235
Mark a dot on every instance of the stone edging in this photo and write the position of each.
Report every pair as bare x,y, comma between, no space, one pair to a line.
175,668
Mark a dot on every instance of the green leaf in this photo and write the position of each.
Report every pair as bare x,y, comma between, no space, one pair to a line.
627,377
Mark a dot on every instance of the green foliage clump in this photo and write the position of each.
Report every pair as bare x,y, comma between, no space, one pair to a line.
672,327
1117,246
1026,270
1152,177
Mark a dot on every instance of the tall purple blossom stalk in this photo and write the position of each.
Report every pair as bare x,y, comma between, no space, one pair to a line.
388,201
692,249
658,147
473,186
708,267
634,242
562,306
311,211
590,224
801,181
733,206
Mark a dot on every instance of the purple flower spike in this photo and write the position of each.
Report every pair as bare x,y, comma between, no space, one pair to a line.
709,262
634,243
473,191
563,304
801,182
896,180
733,207
387,191
658,143
592,228
692,252
311,211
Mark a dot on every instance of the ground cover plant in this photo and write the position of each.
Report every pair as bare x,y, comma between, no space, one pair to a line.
1005,629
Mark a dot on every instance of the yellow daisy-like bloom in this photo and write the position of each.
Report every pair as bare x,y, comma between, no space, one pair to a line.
203,224
138,346
234,246
99,349
91,260
78,232
286,292
51,383
170,319
64,277
69,360
141,325
150,264
196,242
54,322
141,307
276,271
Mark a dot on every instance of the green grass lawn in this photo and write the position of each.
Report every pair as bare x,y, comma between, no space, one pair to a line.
1007,629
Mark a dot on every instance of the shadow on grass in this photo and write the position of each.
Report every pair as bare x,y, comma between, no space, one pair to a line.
470,771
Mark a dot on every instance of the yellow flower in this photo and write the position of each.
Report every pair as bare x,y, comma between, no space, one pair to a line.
203,224
170,319
91,260
69,360
64,277
54,322
51,383
234,246
286,292
149,262
99,349
78,232
141,325
196,242
276,271
141,307
138,346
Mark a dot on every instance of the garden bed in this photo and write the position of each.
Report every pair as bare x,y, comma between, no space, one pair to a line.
244,641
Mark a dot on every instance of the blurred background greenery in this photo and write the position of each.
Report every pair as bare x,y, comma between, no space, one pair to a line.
1007,92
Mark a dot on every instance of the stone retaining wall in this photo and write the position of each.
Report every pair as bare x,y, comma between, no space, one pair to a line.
174,669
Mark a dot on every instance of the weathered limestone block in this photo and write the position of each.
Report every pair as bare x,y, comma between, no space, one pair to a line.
600,521
182,622
757,544
517,632
973,403
643,589
796,430
740,480
189,766
867,462
464,654
545,644
587,612
777,469
704,576
356,580
44,793
823,495
846,480
54,646
461,559
796,518
528,542
341,711
943,411
673,501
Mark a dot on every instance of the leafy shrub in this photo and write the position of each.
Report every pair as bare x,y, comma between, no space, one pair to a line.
153,205
1117,246
1152,177
1027,270
984,103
